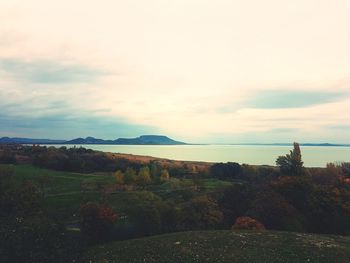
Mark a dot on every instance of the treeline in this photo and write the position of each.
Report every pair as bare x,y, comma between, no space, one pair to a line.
76,159
289,197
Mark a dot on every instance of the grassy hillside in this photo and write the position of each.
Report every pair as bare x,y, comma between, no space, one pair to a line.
65,191
226,246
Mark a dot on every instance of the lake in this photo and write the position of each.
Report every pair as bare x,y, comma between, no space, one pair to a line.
313,156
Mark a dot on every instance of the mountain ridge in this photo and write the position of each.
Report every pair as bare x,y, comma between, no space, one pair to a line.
141,140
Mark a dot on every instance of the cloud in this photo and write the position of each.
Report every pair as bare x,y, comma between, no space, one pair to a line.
49,72
340,127
8,38
283,130
64,126
275,99
60,119
190,75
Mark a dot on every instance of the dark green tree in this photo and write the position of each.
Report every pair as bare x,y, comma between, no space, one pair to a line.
202,212
291,164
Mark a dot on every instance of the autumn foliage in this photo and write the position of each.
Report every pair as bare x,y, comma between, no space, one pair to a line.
97,221
248,223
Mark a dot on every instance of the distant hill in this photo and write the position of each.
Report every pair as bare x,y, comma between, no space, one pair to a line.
89,140
4,140
142,140
226,246
149,139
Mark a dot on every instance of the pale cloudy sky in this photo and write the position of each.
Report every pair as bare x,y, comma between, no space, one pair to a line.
196,70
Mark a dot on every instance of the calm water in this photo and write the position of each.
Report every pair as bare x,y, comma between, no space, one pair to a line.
313,156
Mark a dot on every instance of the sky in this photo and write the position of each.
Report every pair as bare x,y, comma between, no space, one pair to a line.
223,71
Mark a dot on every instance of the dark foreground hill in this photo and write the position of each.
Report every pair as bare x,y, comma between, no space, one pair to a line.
226,246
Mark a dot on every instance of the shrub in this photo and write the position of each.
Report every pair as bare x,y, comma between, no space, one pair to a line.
7,156
97,221
226,171
200,213
235,201
248,223
274,211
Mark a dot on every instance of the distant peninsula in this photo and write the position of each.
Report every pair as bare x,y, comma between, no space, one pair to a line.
142,140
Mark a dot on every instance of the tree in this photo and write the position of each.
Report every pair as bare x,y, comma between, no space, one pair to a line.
226,171
119,177
27,232
291,164
97,221
296,190
144,176
164,176
235,201
275,212
129,176
155,170
146,218
327,213
144,213
201,212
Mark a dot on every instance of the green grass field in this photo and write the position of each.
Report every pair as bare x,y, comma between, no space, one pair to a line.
65,191
226,246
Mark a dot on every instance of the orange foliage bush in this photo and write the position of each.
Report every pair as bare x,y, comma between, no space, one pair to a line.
248,223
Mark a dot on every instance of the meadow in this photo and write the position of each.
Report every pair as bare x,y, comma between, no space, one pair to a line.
65,191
